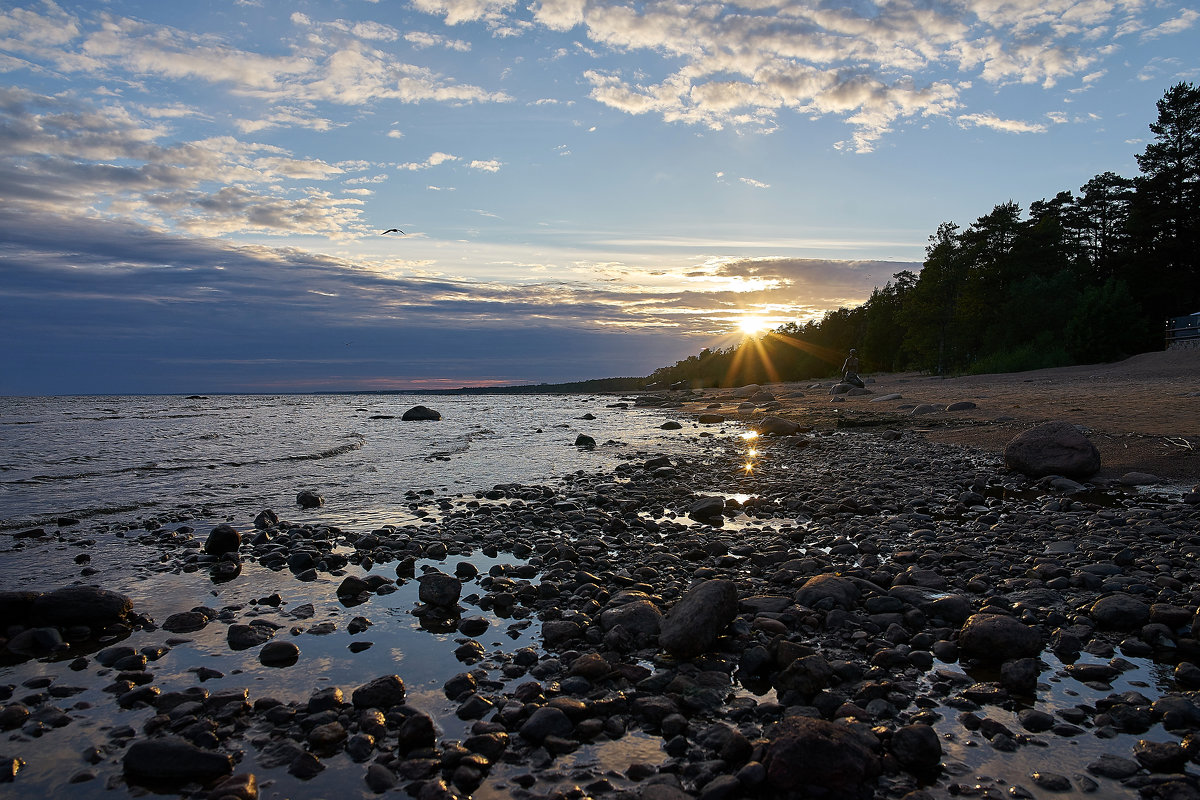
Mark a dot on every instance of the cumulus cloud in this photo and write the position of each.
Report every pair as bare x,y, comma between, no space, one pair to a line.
76,157
339,61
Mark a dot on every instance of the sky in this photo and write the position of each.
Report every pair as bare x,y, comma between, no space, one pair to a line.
193,195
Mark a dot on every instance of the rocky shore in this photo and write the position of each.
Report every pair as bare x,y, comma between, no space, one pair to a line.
827,614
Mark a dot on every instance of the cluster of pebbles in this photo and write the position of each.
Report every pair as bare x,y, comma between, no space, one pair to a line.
843,616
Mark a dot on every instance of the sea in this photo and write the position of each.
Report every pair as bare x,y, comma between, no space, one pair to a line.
99,473
104,457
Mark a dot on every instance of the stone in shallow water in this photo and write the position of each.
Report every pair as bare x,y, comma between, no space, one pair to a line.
172,759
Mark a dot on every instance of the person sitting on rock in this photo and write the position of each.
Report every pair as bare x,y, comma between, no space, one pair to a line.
850,370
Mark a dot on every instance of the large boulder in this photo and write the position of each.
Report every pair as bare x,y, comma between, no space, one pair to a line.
420,413
777,426
819,758
223,539
694,623
828,591
996,637
383,693
439,589
81,605
173,760
1053,448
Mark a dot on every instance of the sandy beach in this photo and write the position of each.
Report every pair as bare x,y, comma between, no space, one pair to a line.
1143,414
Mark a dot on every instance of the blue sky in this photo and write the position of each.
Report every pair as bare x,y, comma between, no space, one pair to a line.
192,195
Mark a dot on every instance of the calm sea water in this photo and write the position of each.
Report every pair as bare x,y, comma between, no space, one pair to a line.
99,456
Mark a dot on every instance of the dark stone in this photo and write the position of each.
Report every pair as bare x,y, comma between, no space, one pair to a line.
439,589
243,637
694,623
223,539
279,654
420,413
309,499
1053,448
81,605
917,747
383,693
174,760
996,637
805,753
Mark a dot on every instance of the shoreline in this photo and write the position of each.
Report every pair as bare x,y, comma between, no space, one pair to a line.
857,562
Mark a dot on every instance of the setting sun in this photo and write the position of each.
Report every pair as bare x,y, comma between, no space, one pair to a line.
753,326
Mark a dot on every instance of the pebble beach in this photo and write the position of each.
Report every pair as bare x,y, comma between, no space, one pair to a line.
838,611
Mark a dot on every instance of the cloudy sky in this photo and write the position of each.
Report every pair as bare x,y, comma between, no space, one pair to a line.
192,194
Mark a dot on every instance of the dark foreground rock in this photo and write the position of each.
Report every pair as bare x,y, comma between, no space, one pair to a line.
172,760
420,413
838,760
1053,448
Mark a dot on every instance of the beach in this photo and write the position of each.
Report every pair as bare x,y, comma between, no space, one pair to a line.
872,606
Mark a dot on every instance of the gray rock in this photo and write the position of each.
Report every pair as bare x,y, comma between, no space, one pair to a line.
710,419
694,623
961,405
926,408
1053,448
585,441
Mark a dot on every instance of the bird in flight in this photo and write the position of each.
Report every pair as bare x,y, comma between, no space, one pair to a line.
392,230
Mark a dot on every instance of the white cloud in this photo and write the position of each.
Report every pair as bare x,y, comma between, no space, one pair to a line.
434,160
1187,19
490,165
756,184
996,123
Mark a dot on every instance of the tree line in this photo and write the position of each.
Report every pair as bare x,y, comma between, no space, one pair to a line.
1078,278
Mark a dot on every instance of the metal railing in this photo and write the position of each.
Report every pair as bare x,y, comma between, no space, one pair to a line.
1183,333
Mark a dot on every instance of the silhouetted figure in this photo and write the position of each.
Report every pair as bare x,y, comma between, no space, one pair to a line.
850,370
393,230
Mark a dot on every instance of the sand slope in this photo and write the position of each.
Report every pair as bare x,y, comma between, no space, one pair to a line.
1143,413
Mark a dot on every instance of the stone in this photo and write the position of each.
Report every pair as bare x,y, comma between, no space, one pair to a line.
586,442
640,617
439,589
1138,479
81,605
1052,448
710,419
309,499
223,539
384,692
185,622
1119,612
821,590
996,637
279,654
243,637
917,747
804,753
961,405
420,414
174,760
546,721
694,623
243,786
706,507
776,426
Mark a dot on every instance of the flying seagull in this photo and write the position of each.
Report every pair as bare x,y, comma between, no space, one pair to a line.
393,230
